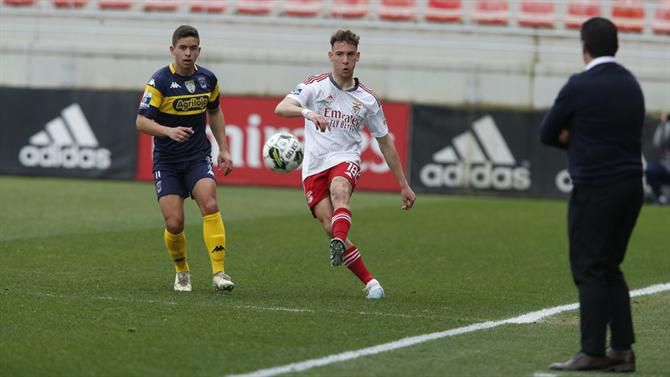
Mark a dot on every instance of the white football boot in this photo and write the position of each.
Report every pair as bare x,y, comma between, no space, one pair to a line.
182,282
222,282
374,290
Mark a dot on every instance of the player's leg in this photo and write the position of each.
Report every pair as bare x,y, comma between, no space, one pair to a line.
342,179
653,175
323,212
213,230
340,194
351,257
171,192
172,208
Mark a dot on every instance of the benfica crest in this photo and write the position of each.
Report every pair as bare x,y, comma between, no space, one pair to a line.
356,106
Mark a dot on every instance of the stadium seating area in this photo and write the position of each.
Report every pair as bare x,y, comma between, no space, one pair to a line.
632,16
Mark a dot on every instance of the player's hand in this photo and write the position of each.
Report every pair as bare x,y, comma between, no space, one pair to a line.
225,164
321,122
564,136
408,198
180,134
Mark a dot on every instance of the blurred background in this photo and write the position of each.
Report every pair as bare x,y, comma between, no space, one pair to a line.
464,83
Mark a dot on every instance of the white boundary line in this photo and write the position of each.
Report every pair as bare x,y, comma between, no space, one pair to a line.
413,340
235,306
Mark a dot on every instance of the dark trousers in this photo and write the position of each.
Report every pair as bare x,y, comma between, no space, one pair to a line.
657,175
600,222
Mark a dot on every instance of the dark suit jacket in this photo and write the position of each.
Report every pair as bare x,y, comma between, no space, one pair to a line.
603,109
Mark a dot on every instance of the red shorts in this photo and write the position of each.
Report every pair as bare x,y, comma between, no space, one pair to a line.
317,186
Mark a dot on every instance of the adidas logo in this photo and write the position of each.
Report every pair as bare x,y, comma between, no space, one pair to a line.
480,159
174,85
67,142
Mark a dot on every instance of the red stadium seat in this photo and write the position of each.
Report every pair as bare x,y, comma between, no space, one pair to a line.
444,11
661,23
254,7
628,15
20,3
302,8
536,13
161,5
209,6
580,11
397,10
491,12
69,3
115,4
349,8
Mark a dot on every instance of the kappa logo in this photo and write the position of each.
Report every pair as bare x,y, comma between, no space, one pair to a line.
174,85
67,142
467,164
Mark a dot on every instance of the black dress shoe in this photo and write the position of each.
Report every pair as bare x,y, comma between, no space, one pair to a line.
621,361
582,361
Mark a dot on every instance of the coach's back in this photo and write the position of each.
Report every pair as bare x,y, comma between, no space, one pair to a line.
603,109
598,118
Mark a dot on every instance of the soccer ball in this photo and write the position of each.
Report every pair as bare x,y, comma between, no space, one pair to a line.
282,152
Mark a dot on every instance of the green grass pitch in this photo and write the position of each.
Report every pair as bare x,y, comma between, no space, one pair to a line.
86,285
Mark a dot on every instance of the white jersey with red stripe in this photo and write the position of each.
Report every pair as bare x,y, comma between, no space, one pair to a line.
347,111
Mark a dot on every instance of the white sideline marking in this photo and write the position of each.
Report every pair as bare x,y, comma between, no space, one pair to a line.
274,309
413,340
244,307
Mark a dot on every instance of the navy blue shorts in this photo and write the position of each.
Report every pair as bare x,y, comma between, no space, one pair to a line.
179,178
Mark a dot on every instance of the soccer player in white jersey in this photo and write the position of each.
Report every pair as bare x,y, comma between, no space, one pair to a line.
336,106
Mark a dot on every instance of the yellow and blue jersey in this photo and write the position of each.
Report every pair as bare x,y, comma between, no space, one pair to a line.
173,100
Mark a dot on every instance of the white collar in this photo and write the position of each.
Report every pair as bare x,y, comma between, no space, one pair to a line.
600,60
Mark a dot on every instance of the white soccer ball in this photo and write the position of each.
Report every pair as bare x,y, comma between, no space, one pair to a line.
282,152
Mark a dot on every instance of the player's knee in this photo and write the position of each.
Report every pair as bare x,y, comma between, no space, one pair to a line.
210,206
339,196
174,225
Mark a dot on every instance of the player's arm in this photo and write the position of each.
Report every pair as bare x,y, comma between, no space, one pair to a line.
392,159
554,126
218,125
151,127
290,108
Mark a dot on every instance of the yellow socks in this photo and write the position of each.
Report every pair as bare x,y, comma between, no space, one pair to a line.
176,246
215,239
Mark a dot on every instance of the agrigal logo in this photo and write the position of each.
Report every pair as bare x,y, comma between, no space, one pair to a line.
478,159
66,142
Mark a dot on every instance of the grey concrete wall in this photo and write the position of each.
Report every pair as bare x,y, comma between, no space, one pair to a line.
414,62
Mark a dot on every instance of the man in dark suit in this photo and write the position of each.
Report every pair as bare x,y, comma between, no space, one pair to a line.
598,117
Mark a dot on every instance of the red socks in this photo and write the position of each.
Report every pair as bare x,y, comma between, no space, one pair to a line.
354,262
341,222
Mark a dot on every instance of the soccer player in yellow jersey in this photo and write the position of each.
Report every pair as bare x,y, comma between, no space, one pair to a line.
174,109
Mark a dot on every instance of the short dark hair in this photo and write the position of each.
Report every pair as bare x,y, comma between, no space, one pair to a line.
346,36
600,37
184,31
